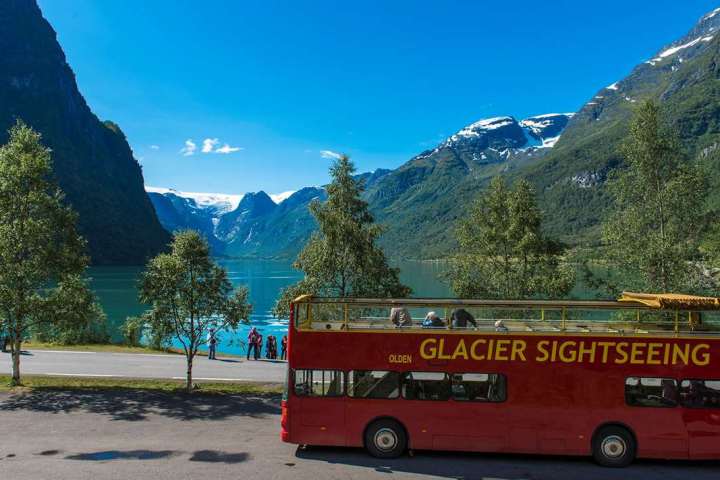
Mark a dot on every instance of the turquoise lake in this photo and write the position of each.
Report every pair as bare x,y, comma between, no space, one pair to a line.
116,289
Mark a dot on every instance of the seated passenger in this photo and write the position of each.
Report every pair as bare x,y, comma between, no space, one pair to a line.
400,317
669,392
461,317
432,320
500,327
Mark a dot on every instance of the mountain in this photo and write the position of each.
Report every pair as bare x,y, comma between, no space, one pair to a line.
684,78
250,225
92,160
417,202
198,211
567,156
420,201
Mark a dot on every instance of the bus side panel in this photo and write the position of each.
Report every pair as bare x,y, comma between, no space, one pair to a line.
703,426
322,421
660,432
432,425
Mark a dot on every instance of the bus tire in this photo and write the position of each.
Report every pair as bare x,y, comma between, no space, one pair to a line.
614,446
385,438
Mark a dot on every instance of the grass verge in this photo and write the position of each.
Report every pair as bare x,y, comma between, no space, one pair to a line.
113,348
44,382
96,347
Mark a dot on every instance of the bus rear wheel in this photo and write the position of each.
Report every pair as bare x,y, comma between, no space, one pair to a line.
385,438
613,446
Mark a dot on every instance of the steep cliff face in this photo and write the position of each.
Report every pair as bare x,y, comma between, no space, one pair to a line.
92,160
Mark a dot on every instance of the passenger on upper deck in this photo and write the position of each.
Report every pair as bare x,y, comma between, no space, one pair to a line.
432,320
400,317
461,317
500,327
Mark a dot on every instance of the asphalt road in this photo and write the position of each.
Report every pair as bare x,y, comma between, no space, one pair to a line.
140,365
140,435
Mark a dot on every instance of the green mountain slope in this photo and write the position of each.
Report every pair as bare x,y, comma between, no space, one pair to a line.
420,202
684,77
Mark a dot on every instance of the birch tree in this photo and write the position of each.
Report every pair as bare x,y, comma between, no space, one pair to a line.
41,253
189,294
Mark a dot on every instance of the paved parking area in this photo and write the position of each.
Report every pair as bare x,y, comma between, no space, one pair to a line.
140,435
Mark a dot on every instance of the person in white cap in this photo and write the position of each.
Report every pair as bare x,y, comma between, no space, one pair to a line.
499,327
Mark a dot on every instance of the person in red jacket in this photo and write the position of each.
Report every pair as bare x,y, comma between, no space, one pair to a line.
252,343
283,348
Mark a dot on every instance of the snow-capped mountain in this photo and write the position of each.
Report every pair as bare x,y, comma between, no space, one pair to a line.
546,128
238,223
215,203
541,131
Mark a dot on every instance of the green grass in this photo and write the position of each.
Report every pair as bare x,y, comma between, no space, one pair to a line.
111,348
44,382
96,347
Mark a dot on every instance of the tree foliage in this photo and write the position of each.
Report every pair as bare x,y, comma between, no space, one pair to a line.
652,236
189,294
78,317
342,258
41,252
502,251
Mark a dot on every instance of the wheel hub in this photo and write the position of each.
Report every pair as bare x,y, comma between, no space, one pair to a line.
385,439
613,446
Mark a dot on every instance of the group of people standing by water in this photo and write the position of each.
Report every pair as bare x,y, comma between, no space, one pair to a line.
255,346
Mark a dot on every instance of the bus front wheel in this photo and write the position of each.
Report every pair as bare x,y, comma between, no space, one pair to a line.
613,446
385,438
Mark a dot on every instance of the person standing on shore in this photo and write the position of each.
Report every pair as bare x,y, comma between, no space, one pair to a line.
283,348
212,344
252,343
258,345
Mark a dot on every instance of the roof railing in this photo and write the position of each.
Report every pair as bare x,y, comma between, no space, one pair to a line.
633,314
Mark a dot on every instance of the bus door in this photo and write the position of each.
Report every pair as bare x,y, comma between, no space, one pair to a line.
701,412
321,406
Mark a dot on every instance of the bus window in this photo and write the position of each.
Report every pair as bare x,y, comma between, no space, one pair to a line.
651,392
425,386
318,383
373,384
700,393
479,387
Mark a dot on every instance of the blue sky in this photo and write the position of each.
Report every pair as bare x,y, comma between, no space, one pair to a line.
283,81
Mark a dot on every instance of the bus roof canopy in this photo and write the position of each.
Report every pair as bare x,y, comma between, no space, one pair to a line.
671,301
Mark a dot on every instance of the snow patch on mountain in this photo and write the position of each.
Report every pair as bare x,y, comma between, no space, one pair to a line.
484,125
281,197
220,202
673,50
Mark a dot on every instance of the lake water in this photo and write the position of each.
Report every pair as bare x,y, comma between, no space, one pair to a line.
116,289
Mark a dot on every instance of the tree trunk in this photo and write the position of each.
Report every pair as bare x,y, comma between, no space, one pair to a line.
188,381
15,346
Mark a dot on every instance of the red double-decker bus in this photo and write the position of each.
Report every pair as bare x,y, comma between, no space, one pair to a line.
612,379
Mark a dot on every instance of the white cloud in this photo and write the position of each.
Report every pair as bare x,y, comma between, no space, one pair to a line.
227,149
154,147
209,144
189,148
329,154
